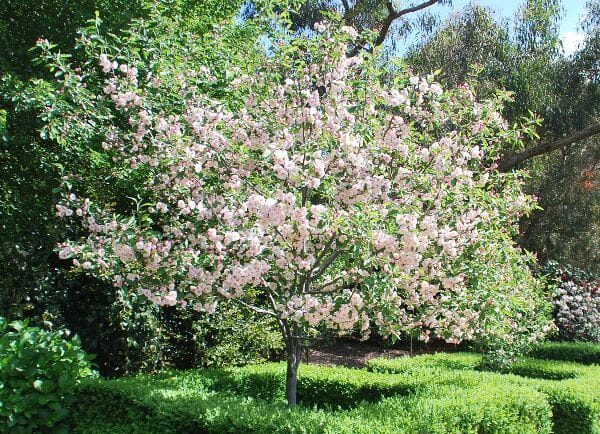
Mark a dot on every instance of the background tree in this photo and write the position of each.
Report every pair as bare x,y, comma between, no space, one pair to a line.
562,90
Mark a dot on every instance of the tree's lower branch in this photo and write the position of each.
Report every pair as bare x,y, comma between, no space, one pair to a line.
325,285
326,263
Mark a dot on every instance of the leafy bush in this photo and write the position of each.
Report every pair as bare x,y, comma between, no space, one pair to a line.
513,324
38,372
231,336
580,352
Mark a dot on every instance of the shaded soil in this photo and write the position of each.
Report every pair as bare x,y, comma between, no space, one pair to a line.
355,354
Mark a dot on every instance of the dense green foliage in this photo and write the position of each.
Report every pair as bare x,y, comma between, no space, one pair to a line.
579,352
125,332
439,393
39,370
188,402
575,399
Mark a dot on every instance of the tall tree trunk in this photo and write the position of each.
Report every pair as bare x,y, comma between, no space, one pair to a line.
294,354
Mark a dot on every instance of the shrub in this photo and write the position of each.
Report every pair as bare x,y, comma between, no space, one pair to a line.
547,369
575,404
489,408
575,400
38,372
321,386
580,352
186,402
401,365
576,300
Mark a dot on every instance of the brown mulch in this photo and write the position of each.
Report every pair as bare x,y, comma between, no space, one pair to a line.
355,354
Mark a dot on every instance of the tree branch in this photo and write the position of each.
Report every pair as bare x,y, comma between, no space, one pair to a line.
255,308
346,6
511,161
389,20
327,263
321,288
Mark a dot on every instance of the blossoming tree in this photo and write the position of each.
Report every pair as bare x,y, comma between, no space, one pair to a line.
316,194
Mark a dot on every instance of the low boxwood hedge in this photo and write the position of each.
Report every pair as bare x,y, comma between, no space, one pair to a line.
575,399
434,394
321,386
580,352
188,402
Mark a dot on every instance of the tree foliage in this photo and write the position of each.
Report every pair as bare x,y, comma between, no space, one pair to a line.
301,189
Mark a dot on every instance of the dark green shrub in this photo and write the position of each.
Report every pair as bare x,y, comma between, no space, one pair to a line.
580,352
38,372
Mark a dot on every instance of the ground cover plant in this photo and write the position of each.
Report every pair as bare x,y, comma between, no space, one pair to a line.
440,393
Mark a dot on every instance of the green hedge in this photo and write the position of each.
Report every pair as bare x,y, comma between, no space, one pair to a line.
434,394
181,404
321,386
39,370
575,405
445,361
575,400
548,369
580,352
188,402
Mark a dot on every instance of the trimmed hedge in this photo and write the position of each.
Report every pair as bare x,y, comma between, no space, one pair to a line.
181,405
320,386
434,394
575,400
580,352
186,402
575,404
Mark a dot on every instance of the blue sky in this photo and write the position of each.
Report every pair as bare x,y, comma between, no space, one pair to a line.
569,30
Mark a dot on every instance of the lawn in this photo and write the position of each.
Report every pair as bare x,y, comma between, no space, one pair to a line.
441,393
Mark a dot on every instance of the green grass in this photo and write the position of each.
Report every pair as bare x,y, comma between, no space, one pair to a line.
431,394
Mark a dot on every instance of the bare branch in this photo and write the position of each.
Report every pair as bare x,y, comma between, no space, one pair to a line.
255,308
346,6
543,148
389,20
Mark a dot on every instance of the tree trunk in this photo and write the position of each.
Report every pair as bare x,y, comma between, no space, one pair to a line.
294,354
